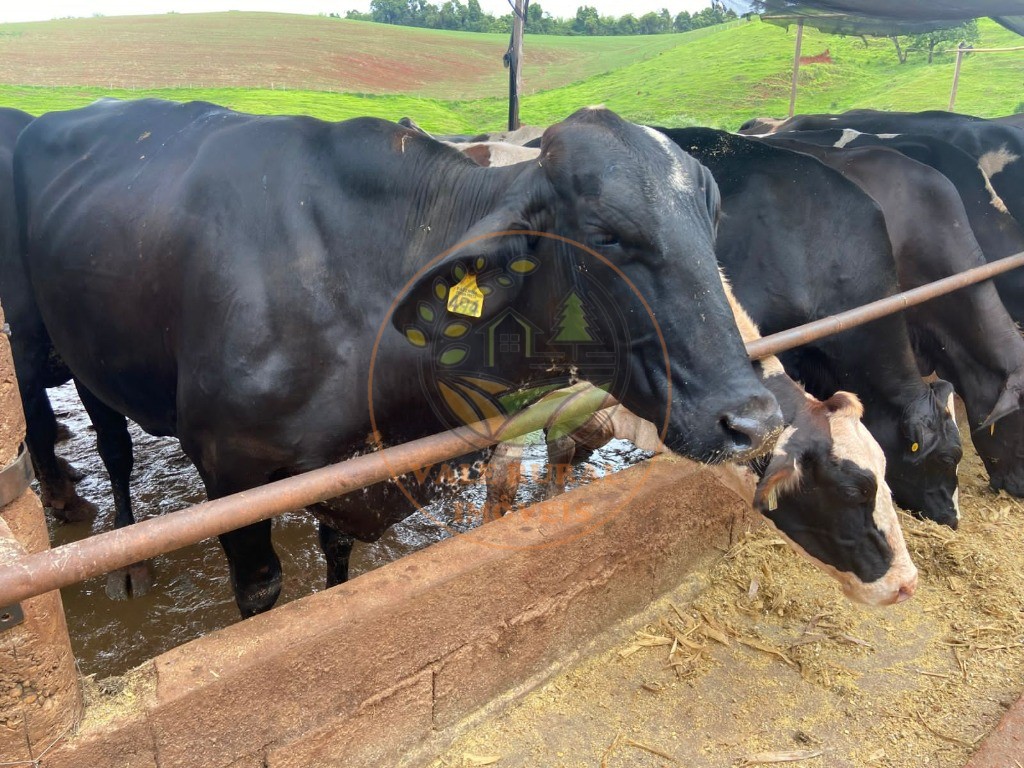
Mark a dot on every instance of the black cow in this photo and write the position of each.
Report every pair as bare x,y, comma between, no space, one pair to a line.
1017,120
799,242
223,277
998,148
935,201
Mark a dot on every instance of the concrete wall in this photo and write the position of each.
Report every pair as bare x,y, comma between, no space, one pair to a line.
40,699
366,673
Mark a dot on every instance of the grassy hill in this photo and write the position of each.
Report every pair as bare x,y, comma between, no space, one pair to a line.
454,82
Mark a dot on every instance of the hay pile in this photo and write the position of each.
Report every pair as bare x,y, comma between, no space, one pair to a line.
770,664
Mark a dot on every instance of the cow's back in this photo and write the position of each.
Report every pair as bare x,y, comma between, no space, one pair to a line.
227,264
84,179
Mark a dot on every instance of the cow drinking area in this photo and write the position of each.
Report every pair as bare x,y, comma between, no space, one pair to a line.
192,595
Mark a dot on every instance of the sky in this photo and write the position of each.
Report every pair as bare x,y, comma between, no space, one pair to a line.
40,10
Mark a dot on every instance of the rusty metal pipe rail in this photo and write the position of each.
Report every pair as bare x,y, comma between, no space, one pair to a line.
105,552
851,318
71,563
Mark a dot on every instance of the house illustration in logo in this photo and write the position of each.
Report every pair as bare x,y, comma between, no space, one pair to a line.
510,334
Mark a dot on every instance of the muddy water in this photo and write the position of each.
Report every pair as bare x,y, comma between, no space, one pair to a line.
191,595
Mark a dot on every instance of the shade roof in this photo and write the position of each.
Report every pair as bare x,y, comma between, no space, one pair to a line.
889,17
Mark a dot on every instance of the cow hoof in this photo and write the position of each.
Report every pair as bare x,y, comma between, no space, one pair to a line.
74,510
494,511
64,433
258,597
72,472
133,581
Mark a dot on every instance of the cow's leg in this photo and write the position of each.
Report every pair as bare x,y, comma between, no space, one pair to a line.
115,447
70,469
56,483
561,451
337,549
502,477
255,567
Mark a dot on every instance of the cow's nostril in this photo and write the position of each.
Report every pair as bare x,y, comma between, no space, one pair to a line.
741,431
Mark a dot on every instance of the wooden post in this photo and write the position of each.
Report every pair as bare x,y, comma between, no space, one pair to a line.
956,75
515,82
796,66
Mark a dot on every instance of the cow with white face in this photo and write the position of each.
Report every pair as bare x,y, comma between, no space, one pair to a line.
822,487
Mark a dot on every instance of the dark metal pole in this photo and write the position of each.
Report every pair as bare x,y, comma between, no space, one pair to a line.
829,326
105,552
515,79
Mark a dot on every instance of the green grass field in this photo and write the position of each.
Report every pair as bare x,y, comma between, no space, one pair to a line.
718,76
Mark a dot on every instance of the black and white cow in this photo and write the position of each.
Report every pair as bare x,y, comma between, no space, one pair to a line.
926,187
799,243
822,488
223,278
997,147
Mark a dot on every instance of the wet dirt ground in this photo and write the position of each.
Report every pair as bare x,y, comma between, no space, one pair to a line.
769,664
192,595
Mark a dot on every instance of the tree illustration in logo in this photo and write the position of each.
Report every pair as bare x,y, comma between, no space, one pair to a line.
574,324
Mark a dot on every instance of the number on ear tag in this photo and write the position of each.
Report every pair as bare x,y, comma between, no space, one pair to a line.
466,298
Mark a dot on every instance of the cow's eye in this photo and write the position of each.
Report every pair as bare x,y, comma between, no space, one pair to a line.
857,493
603,239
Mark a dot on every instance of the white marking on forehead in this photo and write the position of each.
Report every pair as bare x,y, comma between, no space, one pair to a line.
677,176
852,441
951,407
994,162
848,135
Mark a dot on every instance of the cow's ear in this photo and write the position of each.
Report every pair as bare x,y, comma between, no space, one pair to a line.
845,404
782,475
474,282
922,434
1009,402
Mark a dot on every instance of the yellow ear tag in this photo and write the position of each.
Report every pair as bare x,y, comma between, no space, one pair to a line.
992,429
466,298
773,499
914,448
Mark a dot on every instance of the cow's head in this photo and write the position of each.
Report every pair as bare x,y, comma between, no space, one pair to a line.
925,450
824,490
648,210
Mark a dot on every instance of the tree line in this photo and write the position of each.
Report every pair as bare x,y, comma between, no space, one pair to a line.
469,17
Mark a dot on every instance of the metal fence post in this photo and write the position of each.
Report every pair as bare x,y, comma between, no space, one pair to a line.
956,75
796,66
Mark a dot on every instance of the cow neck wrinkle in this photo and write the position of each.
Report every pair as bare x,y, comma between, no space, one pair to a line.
450,200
